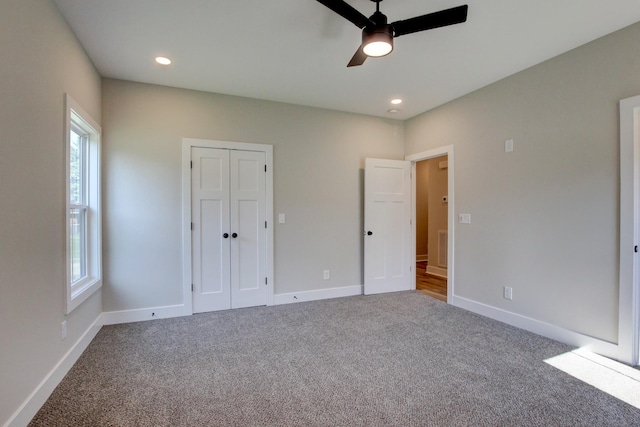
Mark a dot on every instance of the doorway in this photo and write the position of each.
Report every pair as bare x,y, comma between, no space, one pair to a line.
432,226
446,240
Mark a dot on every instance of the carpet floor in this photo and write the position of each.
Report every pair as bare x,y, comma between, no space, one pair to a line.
402,359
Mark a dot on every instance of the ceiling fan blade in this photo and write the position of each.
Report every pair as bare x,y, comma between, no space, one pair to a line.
347,12
455,15
358,58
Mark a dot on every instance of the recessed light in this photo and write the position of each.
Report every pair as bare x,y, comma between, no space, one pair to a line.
163,60
396,101
392,111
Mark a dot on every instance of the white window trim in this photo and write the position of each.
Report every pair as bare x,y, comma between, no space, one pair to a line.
78,292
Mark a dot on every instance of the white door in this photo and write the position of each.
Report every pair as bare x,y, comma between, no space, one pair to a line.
210,212
229,235
248,229
387,221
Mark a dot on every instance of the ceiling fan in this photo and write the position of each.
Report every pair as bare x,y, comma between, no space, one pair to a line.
378,35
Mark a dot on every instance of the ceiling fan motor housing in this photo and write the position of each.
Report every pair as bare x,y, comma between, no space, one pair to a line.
374,36
377,40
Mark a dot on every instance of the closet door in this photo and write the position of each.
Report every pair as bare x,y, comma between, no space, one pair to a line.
210,217
229,229
248,215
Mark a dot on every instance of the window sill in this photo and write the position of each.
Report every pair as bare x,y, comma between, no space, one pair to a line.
81,292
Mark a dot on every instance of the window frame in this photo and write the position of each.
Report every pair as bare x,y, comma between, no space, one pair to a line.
78,121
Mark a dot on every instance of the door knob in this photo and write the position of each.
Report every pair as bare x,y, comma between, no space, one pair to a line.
369,233
234,235
225,235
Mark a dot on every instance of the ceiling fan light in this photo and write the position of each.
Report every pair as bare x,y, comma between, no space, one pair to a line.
378,42
377,49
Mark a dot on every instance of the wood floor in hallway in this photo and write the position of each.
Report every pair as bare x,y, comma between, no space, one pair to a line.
429,284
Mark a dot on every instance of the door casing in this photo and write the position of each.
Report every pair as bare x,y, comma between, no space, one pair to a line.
187,144
629,274
425,155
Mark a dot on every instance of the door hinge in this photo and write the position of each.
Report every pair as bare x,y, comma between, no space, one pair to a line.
635,249
265,168
191,164
192,287
192,226
265,224
265,281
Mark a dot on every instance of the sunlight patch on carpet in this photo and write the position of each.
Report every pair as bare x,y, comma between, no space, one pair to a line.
618,380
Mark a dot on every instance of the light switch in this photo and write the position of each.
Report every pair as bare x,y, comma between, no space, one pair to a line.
464,218
508,146
281,218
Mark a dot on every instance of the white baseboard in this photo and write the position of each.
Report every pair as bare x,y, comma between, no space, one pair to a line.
142,314
318,294
548,330
437,271
34,402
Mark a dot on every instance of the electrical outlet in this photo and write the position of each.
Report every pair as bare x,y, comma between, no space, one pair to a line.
326,275
63,330
508,293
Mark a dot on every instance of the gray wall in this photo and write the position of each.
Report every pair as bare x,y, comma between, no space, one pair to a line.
545,217
422,208
41,60
318,157
438,210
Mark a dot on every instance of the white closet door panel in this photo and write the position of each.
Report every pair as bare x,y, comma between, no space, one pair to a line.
247,247
214,250
248,214
210,217
213,171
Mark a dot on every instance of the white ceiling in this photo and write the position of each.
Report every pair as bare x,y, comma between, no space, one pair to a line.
296,51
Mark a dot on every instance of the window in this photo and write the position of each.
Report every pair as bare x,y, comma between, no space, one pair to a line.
82,148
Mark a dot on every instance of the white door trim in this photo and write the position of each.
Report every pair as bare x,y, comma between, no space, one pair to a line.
187,144
425,155
629,304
